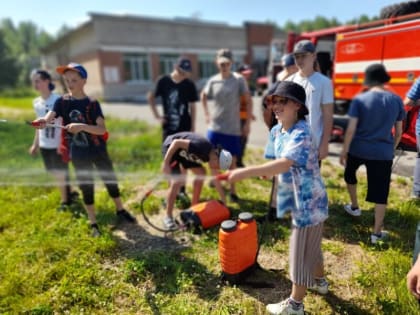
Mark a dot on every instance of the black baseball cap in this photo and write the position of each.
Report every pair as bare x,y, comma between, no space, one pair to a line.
304,46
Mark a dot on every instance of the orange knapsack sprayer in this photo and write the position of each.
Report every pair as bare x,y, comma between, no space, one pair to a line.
238,247
205,214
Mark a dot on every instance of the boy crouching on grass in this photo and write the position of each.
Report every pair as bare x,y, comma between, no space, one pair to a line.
188,150
300,190
85,127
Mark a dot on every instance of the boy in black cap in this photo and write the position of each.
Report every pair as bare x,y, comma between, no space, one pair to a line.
179,94
369,141
300,191
85,127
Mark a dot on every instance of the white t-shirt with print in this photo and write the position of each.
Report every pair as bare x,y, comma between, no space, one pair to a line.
49,137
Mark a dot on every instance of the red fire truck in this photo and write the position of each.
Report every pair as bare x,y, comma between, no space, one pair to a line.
344,52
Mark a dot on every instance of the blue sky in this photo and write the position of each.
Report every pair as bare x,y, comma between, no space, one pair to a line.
50,15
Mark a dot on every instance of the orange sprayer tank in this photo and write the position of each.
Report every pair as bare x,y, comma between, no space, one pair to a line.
238,245
206,214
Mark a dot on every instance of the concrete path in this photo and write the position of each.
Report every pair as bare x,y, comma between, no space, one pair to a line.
257,138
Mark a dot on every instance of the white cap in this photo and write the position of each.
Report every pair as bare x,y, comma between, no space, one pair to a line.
225,160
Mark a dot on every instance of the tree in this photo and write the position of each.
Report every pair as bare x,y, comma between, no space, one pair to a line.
24,43
64,29
9,68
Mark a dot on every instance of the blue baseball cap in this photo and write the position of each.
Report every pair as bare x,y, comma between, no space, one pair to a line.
287,60
72,66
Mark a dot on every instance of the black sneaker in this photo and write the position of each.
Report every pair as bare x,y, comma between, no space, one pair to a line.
234,197
63,206
95,230
182,200
124,215
74,195
270,216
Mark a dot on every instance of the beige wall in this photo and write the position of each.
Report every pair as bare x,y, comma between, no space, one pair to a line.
101,43
153,33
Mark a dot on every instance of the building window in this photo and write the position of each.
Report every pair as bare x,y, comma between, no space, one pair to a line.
206,66
136,67
167,63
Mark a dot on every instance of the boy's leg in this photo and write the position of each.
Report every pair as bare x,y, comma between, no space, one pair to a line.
171,197
379,180
352,190
379,218
60,177
104,165
84,175
197,184
350,178
56,167
105,168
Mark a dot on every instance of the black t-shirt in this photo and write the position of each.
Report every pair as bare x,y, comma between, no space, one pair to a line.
84,111
175,100
198,150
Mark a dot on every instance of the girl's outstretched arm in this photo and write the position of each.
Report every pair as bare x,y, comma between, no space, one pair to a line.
271,168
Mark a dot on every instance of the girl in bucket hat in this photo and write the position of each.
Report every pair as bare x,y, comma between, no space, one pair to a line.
300,190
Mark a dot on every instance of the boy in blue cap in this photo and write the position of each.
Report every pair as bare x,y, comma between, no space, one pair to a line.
86,130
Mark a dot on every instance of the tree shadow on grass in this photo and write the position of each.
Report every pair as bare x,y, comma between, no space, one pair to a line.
258,208
267,285
151,255
353,230
340,306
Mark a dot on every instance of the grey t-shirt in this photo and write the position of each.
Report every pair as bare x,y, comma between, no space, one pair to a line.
226,95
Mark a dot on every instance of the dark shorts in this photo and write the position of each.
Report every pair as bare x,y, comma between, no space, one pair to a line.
52,160
230,143
177,161
378,177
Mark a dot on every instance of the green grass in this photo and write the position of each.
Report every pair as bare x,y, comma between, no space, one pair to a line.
17,102
50,265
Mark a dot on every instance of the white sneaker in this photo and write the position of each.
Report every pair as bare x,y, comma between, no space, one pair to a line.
169,223
374,239
354,212
321,286
284,308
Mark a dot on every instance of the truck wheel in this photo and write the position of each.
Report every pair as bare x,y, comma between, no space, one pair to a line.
402,8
